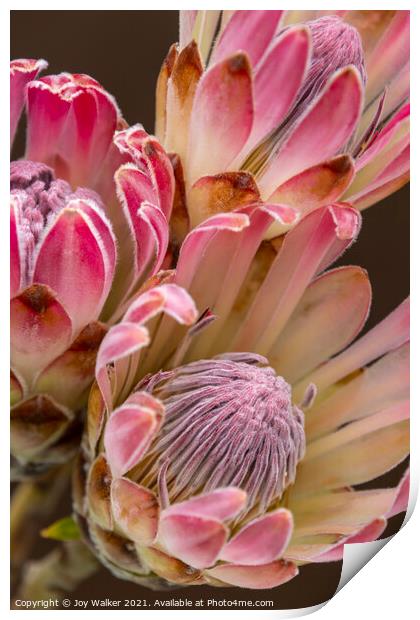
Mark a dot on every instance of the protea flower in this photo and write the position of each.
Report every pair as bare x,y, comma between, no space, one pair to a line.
258,107
230,452
89,209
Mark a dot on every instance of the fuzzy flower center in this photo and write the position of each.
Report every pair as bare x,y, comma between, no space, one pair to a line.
39,198
229,422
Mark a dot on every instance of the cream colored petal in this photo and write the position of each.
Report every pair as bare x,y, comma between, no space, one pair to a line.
376,388
343,512
358,461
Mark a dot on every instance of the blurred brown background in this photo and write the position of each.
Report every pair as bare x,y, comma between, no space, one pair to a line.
123,50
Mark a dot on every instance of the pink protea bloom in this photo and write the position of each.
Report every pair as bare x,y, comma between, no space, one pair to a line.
258,107
230,452
89,209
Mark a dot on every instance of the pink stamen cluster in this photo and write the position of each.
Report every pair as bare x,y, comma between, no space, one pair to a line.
229,422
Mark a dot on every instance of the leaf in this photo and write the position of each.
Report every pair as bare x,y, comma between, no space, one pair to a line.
63,529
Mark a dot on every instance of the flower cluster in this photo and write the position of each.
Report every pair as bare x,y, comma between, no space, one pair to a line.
237,405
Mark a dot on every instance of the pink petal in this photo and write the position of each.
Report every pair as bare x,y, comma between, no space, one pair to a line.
331,313
21,72
255,577
248,31
128,434
277,81
402,495
261,541
310,247
195,242
76,259
390,55
320,133
221,117
318,186
169,298
370,532
220,504
120,341
40,330
135,509
193,539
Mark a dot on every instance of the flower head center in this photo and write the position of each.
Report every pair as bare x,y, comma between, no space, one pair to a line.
229,422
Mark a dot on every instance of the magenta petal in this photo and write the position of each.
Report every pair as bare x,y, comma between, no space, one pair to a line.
147,222
248,31
221,117
147,153
195,540
73,260
261,541
40,330
255,577
71,122
128,434
88,133
220,504
325,128
47,114
21,72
